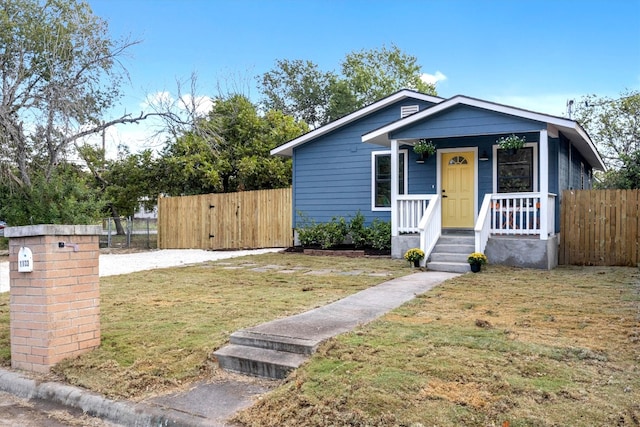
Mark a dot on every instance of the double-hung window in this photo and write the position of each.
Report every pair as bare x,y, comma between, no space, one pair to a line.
381,178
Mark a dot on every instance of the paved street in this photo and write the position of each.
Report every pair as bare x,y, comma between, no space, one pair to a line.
16,412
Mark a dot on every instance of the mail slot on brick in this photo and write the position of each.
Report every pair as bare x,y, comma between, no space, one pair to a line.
25,260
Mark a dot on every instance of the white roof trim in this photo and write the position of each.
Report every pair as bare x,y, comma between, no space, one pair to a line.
379,135
287,149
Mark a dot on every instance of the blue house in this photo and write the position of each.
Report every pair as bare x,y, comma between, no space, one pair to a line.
471,195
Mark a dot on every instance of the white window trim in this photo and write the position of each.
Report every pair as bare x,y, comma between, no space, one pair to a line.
373,177
535,166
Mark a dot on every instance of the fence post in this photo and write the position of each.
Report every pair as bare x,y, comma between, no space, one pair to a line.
109,232
129,231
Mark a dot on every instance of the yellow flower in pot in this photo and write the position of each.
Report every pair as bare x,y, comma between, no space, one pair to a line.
475,260
414,255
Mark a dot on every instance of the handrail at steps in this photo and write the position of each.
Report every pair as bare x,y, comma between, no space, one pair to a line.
430,227
483,225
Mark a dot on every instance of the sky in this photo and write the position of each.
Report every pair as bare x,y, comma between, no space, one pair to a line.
530,54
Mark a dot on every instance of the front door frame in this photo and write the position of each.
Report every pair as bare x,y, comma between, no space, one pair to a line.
475,173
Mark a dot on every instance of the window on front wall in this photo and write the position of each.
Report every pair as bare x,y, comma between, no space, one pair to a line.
381,178
515,171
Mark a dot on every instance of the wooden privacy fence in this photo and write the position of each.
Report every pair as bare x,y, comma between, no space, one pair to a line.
600,227
250,219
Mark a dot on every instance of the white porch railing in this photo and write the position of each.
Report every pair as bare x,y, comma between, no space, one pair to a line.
421,213
483,224
430,227
514,214
411,208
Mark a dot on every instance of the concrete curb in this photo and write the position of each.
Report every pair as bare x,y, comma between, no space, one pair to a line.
123,413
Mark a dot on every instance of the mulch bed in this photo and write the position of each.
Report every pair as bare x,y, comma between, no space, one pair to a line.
343,250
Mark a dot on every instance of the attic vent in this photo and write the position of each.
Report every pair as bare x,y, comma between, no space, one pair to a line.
407,110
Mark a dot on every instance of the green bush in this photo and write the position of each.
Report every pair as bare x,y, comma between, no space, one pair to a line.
332,233
360,233
335,232
380,234
307,231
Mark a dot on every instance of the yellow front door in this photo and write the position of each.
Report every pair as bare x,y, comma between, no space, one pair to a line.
458,189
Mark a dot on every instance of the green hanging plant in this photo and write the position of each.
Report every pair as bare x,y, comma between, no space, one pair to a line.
511,142
424,147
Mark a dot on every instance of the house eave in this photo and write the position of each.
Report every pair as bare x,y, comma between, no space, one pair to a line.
569,128
286,149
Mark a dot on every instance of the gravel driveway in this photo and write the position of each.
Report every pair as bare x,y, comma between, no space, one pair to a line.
114,264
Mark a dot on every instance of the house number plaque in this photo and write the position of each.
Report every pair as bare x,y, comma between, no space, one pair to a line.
25,260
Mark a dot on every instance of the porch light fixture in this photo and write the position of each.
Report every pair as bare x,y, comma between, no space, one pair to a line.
484,156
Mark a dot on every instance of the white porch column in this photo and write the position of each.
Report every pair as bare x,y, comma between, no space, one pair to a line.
394,187
544,184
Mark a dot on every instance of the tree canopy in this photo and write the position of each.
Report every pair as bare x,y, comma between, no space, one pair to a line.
59,71
614,126
300,89
230,151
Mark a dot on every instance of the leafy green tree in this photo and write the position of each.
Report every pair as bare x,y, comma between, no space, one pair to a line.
63,197
229,151
626,177
59,72
187,167
374,74
300,89
614,126
126,183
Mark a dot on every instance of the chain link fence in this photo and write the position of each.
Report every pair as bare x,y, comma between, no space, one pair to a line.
128,232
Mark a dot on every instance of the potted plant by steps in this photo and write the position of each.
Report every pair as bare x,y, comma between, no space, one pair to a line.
475,260
424,149
511,143
414,255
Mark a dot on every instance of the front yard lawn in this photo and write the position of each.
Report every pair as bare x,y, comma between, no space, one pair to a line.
504,347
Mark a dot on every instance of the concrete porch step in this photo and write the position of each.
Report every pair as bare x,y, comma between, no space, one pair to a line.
453,248
449,257
273,342
259,362
450,267
456,240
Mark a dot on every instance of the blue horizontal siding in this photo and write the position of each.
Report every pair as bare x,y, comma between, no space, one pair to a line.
332,174
465,120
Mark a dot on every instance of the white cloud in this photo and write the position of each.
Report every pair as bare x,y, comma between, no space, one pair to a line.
202,104
433,78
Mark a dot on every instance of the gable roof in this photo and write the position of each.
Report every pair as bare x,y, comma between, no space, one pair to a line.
570,128
287,148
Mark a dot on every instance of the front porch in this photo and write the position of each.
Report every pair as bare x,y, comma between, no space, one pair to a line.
515,229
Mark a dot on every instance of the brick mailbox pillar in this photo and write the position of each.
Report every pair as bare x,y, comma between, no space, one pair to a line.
55,307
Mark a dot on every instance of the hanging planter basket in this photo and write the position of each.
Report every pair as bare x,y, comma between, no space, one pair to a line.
511,144
424,149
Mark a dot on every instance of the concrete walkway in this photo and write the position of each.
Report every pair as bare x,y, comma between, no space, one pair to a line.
211,403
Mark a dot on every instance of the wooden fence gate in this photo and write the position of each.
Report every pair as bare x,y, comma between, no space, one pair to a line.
600,227
249,219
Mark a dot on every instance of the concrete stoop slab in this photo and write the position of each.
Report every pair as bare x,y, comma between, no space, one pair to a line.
259,362
274,342
451,267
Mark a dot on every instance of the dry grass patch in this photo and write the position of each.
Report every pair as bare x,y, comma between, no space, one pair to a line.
160,327
505,347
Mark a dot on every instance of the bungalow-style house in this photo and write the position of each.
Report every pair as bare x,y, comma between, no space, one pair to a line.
470,196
